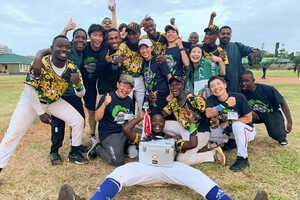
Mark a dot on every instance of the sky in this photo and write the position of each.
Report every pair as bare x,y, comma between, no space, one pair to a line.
28,26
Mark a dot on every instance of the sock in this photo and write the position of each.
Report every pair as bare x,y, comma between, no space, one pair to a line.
217,194
74,149
107,190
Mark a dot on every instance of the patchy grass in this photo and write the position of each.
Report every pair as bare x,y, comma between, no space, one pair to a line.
29,175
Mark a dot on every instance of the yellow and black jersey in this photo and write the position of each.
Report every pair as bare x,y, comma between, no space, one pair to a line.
197,105
160,45
133,63
50,86
217,51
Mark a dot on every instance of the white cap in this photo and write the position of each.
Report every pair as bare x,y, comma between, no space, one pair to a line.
146,42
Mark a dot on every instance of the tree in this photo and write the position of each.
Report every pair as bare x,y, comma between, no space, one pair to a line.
276,49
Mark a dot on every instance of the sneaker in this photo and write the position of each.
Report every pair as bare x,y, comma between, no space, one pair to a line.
229,145
220,156
284,142
55,159
240,164
93,138
1,169
92,153
77,158
83,149
261,195
67,193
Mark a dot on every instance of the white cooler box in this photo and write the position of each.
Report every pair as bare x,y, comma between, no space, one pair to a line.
157,152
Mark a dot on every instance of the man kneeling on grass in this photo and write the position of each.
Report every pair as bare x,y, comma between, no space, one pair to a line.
233,115
42,95
111,114
265,102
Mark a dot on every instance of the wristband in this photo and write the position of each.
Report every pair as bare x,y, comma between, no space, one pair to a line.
219,107
193,127
181,49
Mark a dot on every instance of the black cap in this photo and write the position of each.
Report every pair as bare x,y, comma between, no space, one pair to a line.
213,29
171,27
176,78
133,27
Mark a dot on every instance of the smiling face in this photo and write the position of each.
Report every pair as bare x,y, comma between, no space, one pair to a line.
176,88
196,54
217,88
123,90
146,52
210,38
150,28
133,37
79,40
171,35
113,40
107,23
157,123
61,49
194,38
96,39
225,35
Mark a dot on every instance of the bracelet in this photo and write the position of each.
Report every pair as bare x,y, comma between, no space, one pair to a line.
181,49
219,107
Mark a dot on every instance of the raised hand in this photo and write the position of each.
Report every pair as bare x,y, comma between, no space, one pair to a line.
45,118
74,78
108,58
214,58
231,101
107,99
189,114
70,26
153,97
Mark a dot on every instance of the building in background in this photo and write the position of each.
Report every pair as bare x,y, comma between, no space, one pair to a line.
14,64
4,49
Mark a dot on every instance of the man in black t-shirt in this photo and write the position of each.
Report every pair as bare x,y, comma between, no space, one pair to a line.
230,111
93,54
177,58
156,76
108,71
265,102
113,110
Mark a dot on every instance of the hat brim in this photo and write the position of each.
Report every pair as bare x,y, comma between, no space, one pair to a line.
174,79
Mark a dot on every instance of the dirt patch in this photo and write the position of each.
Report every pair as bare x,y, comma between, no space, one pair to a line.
278,80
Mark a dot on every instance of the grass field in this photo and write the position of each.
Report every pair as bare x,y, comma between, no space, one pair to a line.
29,175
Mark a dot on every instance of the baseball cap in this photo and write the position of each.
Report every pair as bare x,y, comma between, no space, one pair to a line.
146,42
212,28
176,78
125,78
171,27
133,27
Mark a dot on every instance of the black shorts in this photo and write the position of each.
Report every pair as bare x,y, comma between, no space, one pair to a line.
90,92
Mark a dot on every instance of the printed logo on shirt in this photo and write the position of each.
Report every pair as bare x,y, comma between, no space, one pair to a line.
171,63
149,78
119,113
90,64
259,106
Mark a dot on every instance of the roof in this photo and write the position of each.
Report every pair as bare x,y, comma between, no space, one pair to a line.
8,58
268,60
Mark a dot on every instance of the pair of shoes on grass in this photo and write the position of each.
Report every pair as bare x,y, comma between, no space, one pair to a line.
74,157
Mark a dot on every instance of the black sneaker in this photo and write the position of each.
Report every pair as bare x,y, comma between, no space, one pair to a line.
1,169
77,158
83,149
55,159
92,153
284,142
261,195
240,164
229,145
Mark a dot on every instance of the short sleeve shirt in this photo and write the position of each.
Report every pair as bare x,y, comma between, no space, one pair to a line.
265,98
197,105
242,108
174,60
113,113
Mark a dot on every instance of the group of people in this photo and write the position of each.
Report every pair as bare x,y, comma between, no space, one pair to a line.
197,92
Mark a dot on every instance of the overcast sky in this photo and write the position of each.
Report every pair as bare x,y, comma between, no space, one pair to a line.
27,26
